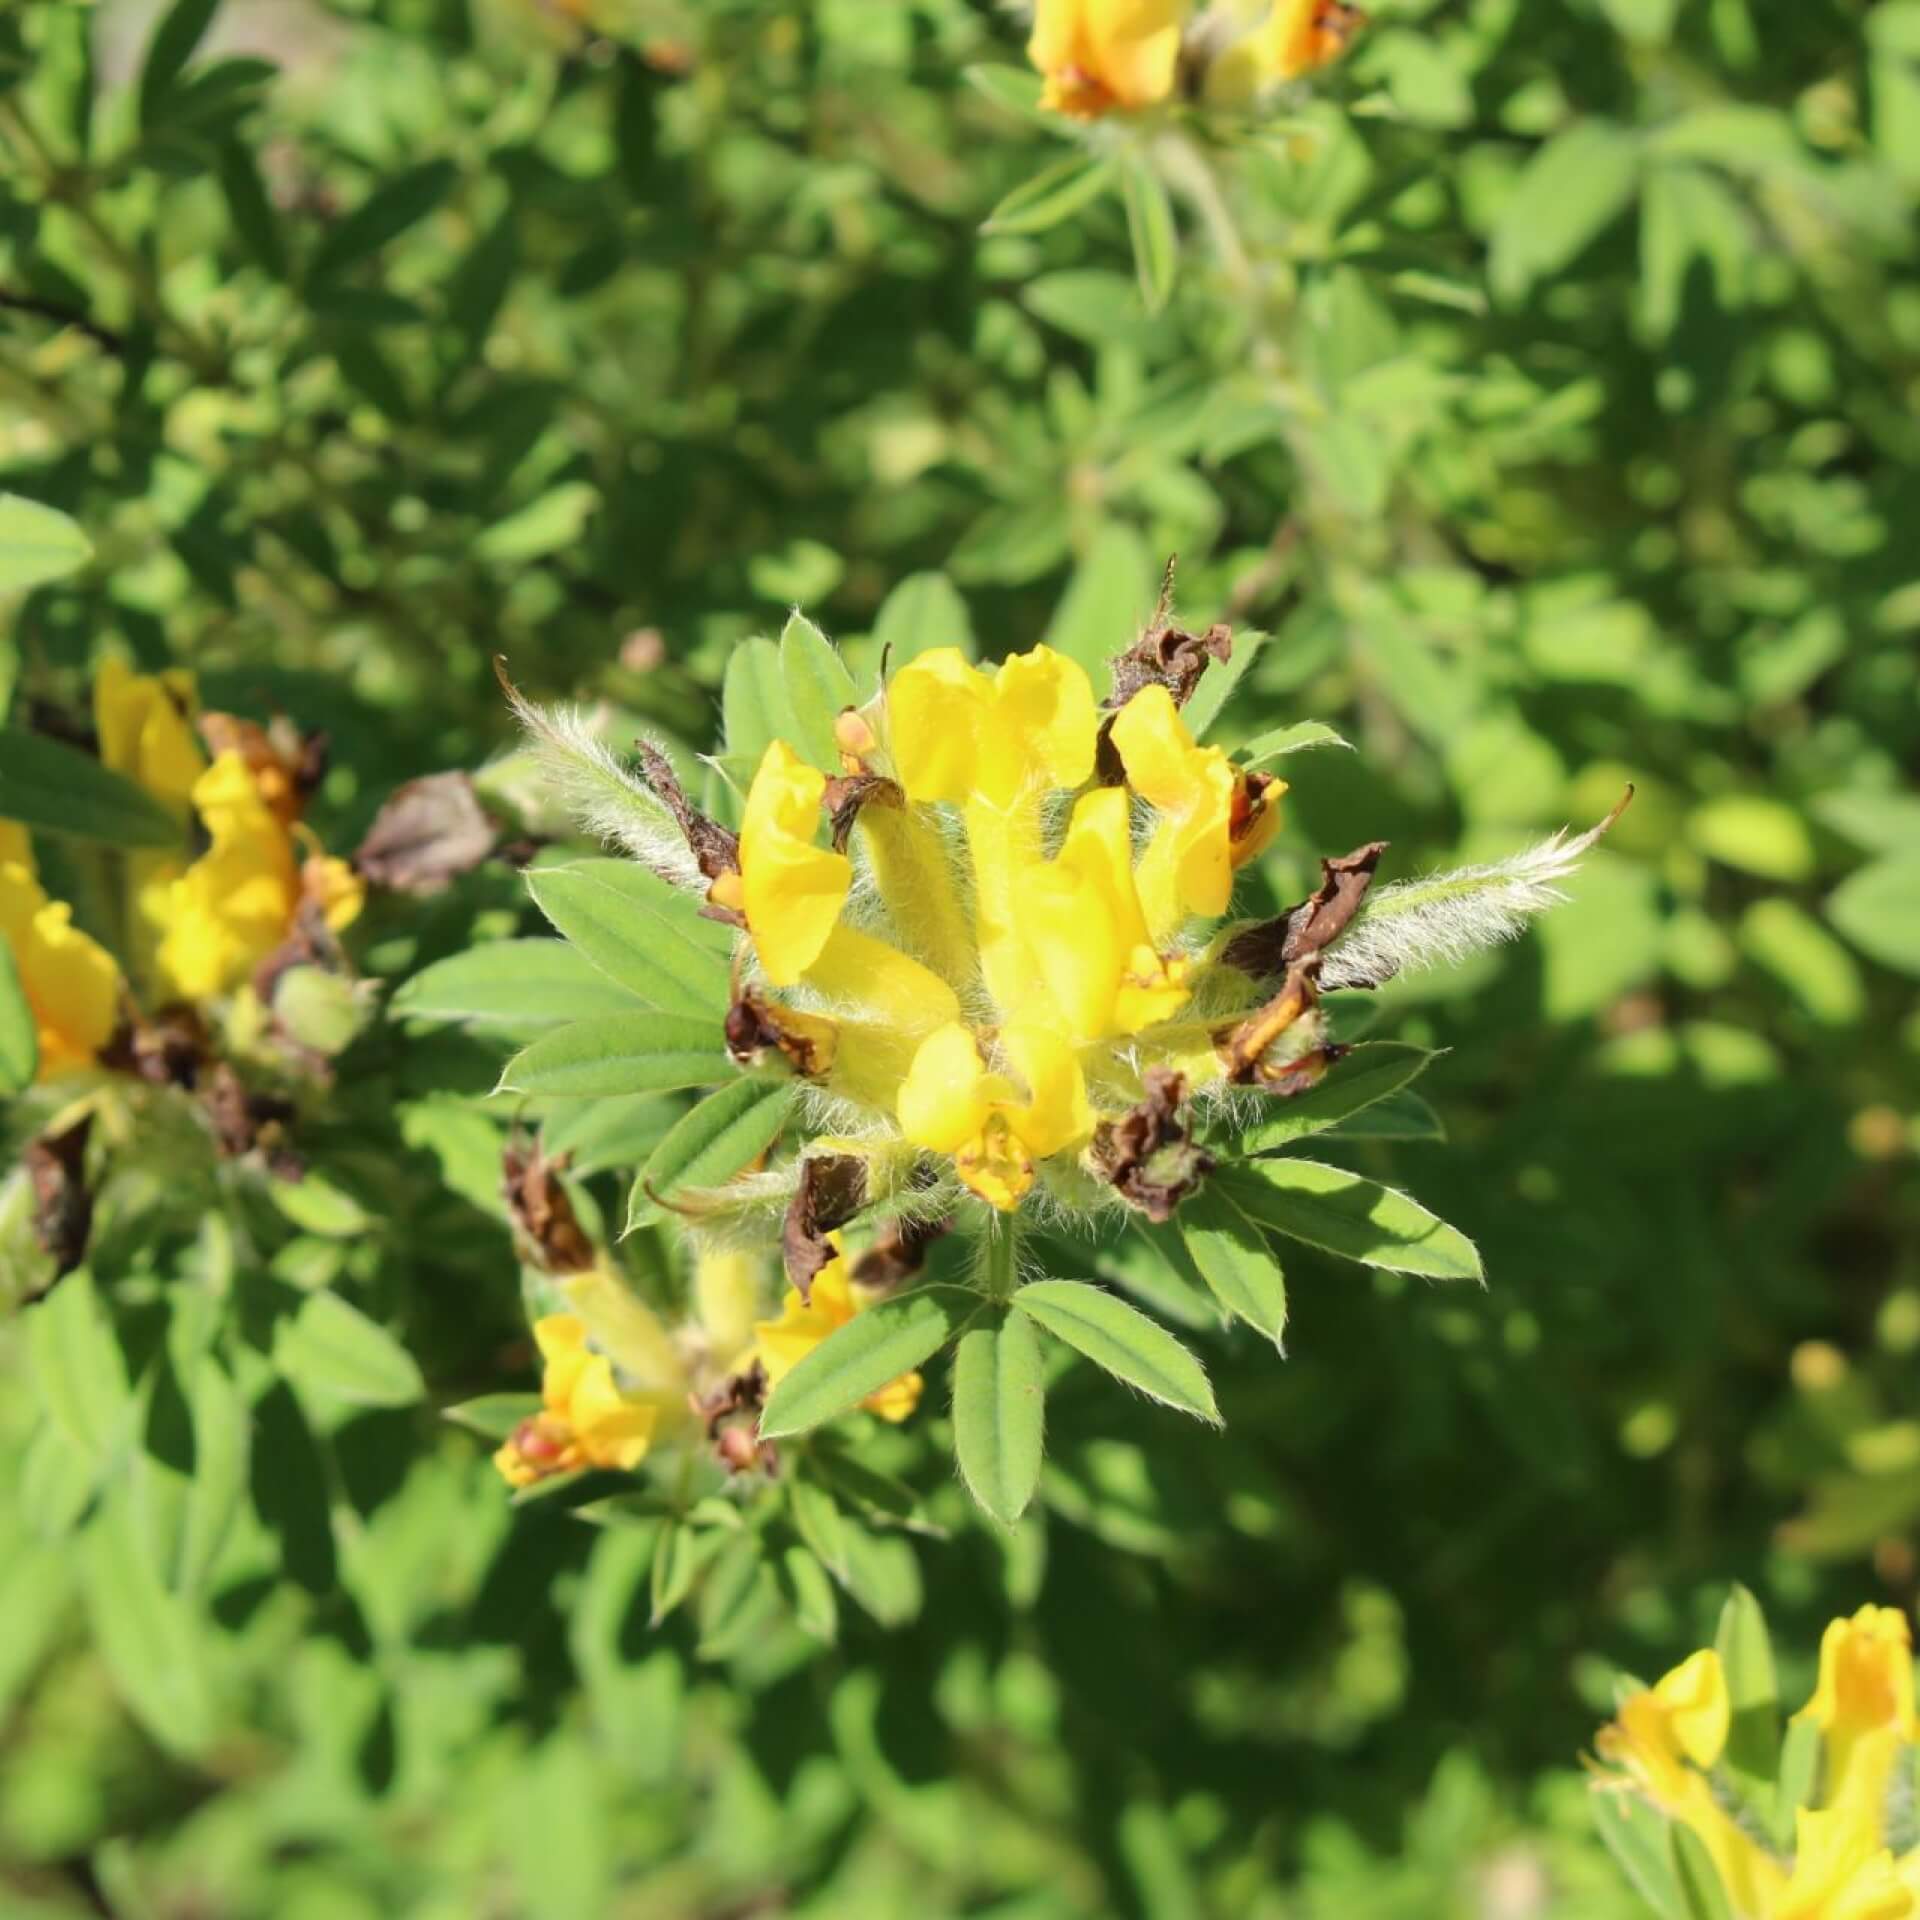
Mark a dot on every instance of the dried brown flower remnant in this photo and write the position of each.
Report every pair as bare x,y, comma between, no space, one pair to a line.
62,1200
832,1189
715,849
1167,655
1148,1154
1270,948
430,832
754,1023
542,1215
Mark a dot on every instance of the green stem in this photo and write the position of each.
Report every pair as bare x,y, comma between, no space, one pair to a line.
999,1267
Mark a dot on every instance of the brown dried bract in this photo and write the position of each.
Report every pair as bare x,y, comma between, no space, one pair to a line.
1243,1048
429,832
246,1121
847,793
165,1051
1167,655
1303,1074
805,1040
729,1414
716,850
1266,951
542,1215
310,942
1148,1154
62,1200
832,1189
898,1252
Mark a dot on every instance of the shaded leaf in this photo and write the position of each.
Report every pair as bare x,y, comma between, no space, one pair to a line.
1358,1219
1122,1340
999,1413
872,1349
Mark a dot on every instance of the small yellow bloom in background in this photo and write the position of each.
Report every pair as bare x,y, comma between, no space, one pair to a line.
71,982
1863,1705
145,723
1300,37
1106,56
587,1419
780,1345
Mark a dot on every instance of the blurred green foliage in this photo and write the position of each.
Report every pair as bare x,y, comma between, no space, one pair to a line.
1546,384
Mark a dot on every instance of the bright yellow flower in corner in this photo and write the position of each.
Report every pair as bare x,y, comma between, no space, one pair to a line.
1841,1871
586,1420
71,982
1106,56
780,1345
1863,1705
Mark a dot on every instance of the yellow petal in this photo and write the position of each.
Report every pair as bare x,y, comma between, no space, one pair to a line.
562,1340
145,725
1045,724
1055,1114
948,1092
897,1399
614,1428
726,1289
996,1163
1102,55
1698,1708
937,711
1301,36
16,846
780,1345
1188,865
793,890
1866,1674
1842,1871
71,982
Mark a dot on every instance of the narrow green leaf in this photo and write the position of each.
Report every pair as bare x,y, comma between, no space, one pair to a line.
37,544
883,1576
384,215
1358,1219
222,1453
493,1416
555,521
54,788
1753,1735
1054,194
1217,684
181,29
817,686
1017,89
999,1413
817,1519
1367,1074
1878,909
600,1134
810,1593
1636,1836
1123,1340
1281,741
331,1347
617,1053
1801,1752
518,989
734,1598
1702,1896
145,1634
1235,1260
753,704
872,1349
708,1146
647,936
677,1560
76,1370
19,1032
923,612
1150,226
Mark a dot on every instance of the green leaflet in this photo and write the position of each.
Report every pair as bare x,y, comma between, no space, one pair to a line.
332,1347
818,686
621,1053
1358,1219
872,1349
711,1144
37,544
999,1412
515,988
639,931
1753,1735
1281,741
754,705
54,788
1122,1340
923,612
1367,1074
1054,194
1235,1260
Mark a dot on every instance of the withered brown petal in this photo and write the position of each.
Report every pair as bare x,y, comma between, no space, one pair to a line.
1148,1154
832,1189
62,1200
716,850
429,832
541,1212
1267,950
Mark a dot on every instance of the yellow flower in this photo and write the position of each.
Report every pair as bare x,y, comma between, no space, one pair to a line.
1106,56
780,1345
71,982
1842,1872
1663,1741
234,905
989,951
1301,36
1863,1705
200,927
587,1419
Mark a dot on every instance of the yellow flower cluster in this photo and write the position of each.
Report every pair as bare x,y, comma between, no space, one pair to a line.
196,926
615,1382
1120,56
1015,968
1668,1740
